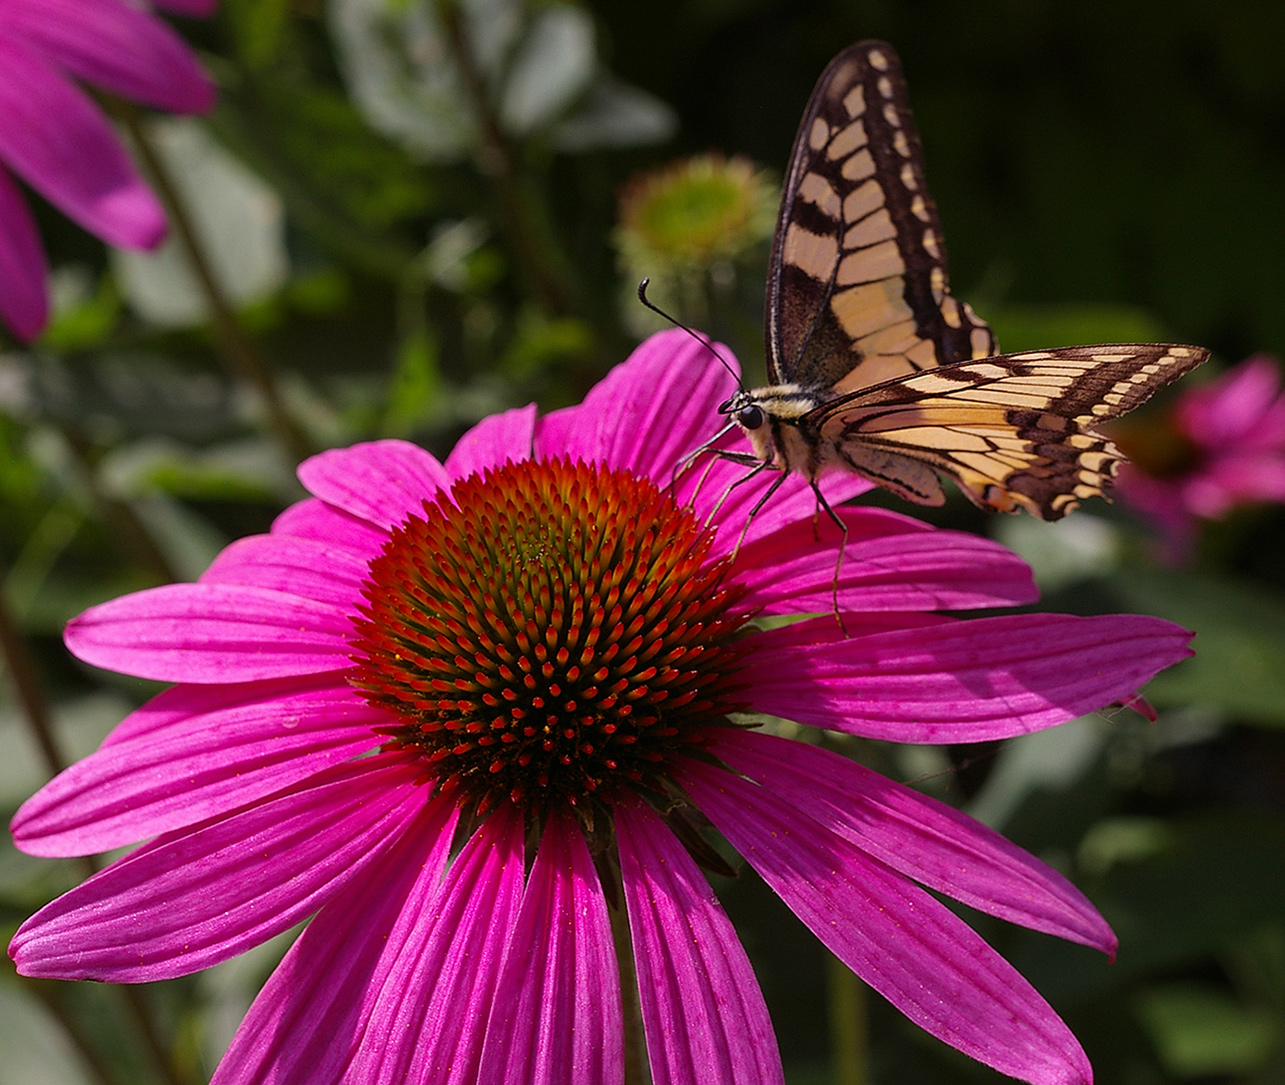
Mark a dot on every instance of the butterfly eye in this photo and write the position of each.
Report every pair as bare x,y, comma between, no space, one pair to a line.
750,417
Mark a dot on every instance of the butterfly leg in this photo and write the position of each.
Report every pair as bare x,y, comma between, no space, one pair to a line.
681,467
756,466
759,465
822,503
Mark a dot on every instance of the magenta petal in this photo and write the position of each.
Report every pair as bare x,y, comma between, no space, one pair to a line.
306,1022
648,413
703,1012
383,482
314,519
891,563
917,835
911,949
959,681
558,1020
114,46
76,163
24,305
429,1016
303,567
189,900
196,752
497,439
212,633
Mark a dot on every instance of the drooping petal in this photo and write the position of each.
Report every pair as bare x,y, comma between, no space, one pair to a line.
76,163
703,1013
114,46
557,1019
312,518
24,304
303,567
648,413
958,681
305,1023
196,752
917,835
497,439
212,633
383,482
431,1005
911,949
891,562
228,884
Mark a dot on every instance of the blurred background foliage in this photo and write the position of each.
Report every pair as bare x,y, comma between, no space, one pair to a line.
413,214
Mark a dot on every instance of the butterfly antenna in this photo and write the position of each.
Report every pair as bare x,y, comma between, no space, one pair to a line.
642,296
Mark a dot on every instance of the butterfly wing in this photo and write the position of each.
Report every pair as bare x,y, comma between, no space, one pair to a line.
858,292
1012,430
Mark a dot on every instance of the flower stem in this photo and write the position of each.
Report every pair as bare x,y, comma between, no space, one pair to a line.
21,665
240,352
635,1043
27,686
849,1031
529,236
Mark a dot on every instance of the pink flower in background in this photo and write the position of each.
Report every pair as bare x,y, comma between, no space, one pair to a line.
440,703
1221,446
56,139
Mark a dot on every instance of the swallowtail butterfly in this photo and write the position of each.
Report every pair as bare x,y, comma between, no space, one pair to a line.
877,369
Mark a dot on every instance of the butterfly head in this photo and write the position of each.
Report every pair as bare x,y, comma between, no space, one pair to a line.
768,416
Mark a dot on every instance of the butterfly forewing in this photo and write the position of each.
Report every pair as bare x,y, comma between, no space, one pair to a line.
1013,430
858,291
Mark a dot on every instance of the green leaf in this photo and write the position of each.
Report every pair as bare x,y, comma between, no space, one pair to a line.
1033,327
1200,1030
1240,641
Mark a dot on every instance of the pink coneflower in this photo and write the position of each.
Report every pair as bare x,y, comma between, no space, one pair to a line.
1221,446
54,137
452,711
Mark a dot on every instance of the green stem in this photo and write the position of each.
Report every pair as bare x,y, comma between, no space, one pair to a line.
21,665
636,1072
495,157
849,1024
240,352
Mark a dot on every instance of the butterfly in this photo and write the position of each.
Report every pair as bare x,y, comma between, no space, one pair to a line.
876,368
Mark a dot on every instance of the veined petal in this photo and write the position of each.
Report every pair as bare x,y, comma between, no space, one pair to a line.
114,46
306,1022
497,439
647,413
911,949
429,1012
212,633
24,305
76,163
304,567
891,562
558,1020
228,884
916,835
312,518
383,482
703,1012
959,681
196,752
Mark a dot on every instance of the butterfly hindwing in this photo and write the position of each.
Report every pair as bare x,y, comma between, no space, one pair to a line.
1013,431
858,290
